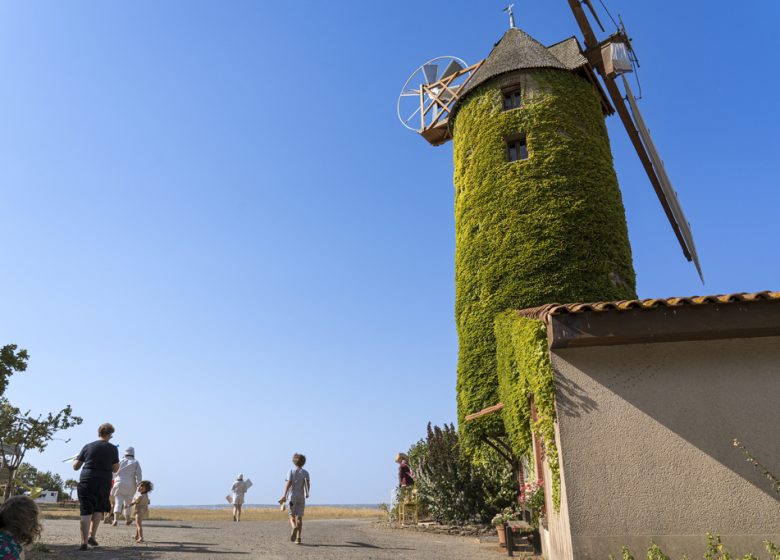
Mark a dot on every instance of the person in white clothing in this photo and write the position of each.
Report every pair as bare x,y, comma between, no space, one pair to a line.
126,480
237,493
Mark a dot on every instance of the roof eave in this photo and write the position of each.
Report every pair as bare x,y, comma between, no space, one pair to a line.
741,315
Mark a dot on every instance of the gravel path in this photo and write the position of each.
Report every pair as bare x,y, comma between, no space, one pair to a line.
323,540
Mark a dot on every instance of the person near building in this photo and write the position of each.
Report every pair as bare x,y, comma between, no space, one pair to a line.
405,474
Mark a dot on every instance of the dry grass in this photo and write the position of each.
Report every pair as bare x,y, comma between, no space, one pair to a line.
248,514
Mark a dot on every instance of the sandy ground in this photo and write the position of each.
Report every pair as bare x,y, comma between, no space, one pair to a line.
191,515
333,539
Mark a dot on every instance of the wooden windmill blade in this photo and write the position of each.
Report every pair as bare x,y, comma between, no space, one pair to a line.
593,13
670,196
598,54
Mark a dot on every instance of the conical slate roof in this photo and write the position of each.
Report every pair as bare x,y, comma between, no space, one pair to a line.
569,53
517,50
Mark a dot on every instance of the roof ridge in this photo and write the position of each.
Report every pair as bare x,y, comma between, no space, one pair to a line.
563,41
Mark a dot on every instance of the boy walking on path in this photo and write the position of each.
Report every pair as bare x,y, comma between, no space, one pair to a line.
297,488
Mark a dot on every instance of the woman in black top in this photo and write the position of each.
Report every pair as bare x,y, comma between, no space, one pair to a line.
100,460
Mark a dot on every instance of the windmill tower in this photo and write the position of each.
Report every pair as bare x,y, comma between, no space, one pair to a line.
539,215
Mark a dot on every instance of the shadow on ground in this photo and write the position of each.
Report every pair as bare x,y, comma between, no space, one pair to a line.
148,551
351,544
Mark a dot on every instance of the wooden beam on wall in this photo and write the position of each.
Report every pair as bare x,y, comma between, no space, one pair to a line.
485,411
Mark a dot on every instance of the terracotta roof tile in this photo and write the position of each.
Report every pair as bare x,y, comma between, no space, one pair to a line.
545,311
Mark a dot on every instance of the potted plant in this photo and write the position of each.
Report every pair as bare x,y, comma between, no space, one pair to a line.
500,521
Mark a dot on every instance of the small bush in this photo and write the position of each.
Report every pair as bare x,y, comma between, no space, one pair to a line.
715,551
455,486
655,553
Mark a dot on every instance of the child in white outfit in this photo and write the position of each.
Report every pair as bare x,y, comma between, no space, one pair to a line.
237,493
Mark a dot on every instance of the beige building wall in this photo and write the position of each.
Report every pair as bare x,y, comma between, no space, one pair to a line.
646,436
555,533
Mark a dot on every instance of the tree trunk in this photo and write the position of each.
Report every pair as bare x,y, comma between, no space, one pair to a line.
9,486
506,452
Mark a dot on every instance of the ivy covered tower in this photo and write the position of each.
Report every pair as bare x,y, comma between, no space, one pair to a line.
538,213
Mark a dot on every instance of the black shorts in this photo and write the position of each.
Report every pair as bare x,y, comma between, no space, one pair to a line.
93,495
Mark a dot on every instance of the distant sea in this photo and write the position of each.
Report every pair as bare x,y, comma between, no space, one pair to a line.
228,506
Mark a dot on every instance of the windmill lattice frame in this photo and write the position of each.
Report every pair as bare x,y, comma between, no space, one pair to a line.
436,100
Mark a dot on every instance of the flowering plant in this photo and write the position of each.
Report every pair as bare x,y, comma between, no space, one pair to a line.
505,516
532,498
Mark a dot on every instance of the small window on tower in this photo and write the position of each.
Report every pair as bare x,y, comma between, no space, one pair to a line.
512,98
516,148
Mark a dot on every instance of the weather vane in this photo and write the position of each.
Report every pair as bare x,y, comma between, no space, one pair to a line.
508,10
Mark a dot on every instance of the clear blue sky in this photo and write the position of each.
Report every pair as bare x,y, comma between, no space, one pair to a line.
217,236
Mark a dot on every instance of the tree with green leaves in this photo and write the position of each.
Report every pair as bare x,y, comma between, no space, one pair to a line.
29,476
11,360
455,486
21,432
70,485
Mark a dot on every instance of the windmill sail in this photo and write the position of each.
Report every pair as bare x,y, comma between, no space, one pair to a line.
430,71
452,67
666,185
609,62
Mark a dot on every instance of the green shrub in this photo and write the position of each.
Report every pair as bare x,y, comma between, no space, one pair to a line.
524,369
773,550
655,553
499,485
454,486
715,551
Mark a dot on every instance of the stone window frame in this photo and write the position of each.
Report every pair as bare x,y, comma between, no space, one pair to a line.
516,147
511,97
